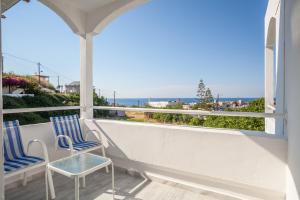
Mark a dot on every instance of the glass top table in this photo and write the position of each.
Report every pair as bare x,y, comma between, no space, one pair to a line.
80,165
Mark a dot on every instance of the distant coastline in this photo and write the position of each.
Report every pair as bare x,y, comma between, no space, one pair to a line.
143,101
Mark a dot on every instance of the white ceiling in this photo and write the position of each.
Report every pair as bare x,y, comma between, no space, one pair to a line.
87,5
90,16
6,4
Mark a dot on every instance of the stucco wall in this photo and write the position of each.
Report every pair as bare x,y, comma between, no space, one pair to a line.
238,159
292,52
228,159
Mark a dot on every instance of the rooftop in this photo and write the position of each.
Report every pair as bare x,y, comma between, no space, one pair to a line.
74,83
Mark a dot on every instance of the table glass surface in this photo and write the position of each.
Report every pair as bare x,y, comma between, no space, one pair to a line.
79,163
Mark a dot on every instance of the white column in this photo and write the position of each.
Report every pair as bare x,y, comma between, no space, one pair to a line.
86,76
280,70
2,195
292,95
269,88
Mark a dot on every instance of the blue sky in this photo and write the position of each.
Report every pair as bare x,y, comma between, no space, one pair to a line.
160,49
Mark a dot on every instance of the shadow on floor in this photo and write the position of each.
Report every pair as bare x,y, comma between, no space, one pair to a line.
98,187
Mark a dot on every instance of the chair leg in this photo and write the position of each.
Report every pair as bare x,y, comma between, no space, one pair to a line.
77,188
104,155
24,181
83,182
50,183
46,184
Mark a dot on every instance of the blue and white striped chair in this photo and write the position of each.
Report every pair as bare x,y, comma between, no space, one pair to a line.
69,135
16,161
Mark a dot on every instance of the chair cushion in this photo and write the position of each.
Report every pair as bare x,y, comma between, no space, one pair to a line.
13,146
69,126
20,163
84,145
14,155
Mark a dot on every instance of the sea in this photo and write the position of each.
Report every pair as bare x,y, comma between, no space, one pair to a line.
143,101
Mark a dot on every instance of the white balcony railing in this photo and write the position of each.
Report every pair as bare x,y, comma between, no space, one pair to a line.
194,112
39,109
155,149
150,110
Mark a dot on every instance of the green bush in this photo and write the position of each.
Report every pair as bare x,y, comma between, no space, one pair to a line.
176,119
245,123
196,121
186,119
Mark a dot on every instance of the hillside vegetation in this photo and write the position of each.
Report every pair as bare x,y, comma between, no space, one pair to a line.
46,100
40,99
54,99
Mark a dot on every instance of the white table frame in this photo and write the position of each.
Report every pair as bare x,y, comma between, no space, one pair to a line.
77,176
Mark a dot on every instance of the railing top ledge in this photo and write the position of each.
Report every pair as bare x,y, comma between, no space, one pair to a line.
39,109
150,110
193,112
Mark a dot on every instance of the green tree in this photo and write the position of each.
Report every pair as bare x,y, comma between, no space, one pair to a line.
208,96
205,97
201,91
100,101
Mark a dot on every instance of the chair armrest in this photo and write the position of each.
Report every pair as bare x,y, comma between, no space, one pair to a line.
68,140
44,148
95,133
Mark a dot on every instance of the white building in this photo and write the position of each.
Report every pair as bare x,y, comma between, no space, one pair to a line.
73,87
162,104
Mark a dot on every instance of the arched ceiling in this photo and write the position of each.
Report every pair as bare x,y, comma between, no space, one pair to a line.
89,16
7,4
271,33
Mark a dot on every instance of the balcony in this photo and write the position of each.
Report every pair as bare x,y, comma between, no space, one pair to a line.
157,161
171,161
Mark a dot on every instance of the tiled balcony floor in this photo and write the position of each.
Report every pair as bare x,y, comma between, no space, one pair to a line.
98,187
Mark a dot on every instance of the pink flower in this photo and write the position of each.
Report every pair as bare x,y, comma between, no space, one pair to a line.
13,81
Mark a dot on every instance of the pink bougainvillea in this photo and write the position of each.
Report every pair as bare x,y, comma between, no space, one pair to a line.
14,81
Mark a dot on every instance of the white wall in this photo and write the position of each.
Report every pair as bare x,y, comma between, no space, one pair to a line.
236,160
292,42
288,16
274,64
242,162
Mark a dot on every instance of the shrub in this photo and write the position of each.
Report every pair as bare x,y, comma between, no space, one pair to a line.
246,123
196,121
